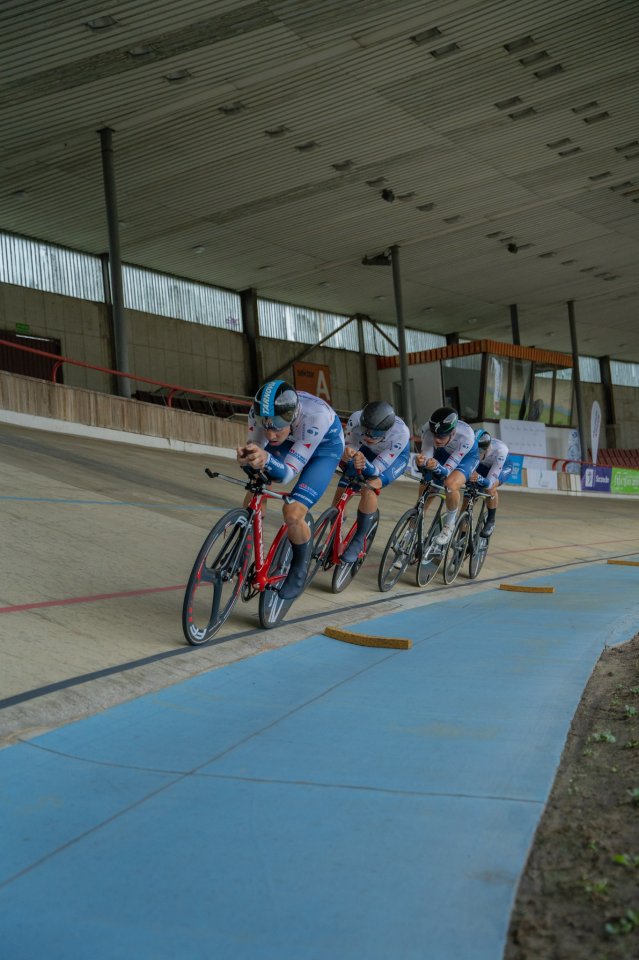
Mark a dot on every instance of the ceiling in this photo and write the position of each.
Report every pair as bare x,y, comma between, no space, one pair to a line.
254,141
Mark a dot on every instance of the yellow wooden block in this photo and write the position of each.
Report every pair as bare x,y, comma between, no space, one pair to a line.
625,563
518,588
396,643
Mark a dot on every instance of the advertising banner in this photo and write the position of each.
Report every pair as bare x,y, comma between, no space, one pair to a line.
596,479
624,481
314,378
542,479
595,429
516,462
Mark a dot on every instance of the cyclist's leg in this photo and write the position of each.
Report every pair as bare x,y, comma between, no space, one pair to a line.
368,506
489,526
311,484
454,483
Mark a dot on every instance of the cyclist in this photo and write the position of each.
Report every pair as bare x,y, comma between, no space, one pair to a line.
449,454
491,472
293,436
378,448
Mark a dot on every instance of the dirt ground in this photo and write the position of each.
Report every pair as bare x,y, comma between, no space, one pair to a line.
579,895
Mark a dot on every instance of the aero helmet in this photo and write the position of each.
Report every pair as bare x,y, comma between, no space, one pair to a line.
483,439
443,421
276,405
377,418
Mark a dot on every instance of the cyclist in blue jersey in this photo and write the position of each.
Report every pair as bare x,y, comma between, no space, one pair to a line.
491,472
293,436
378,449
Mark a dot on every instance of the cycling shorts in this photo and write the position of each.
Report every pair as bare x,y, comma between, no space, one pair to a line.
506,471
395,470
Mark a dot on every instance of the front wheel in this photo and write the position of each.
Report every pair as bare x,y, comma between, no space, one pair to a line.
456,549
345,572
322,544
217,576
398,551
431,554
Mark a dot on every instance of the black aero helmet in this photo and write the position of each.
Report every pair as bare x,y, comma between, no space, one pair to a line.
483,438
276,404
443,421
377,418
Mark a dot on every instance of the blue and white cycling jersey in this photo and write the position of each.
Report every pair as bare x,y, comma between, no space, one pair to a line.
387,456
460,453
316,435
491,468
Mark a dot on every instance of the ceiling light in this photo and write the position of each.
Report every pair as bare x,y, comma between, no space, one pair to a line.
569,153
323,283
520,44
494,235
376,183
531,58
471,321
140,51
596,117
266,266
546,72
588,269
198,249
559,143
547,255
275,132
600,176
627,146
20,194
426,207
510,102
425,35
453,219
566,263
380,296
101,23
176,76
616,187
445,51
306,147
520,114
585,107
406,196
231,109
343,166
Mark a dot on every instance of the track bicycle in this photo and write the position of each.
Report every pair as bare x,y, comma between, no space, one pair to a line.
331,539
410,544
223,569
477,546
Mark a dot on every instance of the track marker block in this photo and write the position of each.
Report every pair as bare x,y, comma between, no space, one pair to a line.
396,643
625,563
517,588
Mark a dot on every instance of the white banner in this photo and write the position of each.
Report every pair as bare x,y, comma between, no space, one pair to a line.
542,479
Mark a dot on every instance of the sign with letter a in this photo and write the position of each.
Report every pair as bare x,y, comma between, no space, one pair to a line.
314,378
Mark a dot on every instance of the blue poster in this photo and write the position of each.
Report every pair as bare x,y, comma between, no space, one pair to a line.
515,462
596,479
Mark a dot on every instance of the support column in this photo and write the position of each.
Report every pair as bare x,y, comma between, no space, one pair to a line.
576,379
609,413
401,339
250,324
514,324
120,337
452,338
363,370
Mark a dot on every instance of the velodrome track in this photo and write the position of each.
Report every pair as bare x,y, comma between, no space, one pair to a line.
98,539
320,800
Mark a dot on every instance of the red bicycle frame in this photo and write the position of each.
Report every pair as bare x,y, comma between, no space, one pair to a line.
260,578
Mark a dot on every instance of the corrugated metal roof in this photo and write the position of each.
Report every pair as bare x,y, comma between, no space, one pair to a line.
504,117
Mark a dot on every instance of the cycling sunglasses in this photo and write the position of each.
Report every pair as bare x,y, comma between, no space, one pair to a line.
374,434
275,422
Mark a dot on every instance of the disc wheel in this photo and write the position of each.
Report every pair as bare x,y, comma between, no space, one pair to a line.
322,544
217,576
345,572
398,551
430,555
456,549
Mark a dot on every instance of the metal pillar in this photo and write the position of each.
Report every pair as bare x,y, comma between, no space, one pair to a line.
401,338
120,337
248,302
363,370
514,324
576,379
610,416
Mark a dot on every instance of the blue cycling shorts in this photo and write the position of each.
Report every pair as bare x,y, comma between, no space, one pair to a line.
506,471
466,465
396,469
316,475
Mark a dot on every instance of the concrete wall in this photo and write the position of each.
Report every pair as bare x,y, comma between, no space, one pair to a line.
172,351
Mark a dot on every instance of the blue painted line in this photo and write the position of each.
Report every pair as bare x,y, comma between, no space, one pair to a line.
321,800
116,503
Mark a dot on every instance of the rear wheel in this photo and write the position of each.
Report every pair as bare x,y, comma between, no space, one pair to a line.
217,576
345,572
271,608
399,550
431,554
478,546
322,544
456,549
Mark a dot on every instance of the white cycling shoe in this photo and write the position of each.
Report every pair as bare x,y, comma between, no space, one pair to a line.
442,539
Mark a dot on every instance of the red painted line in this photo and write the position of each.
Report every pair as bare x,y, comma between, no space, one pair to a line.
17,608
